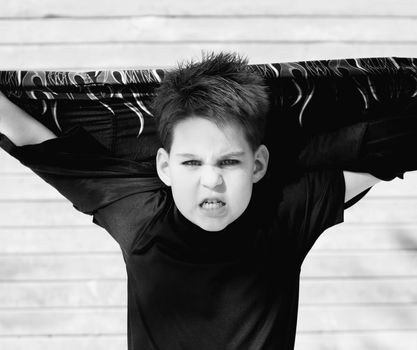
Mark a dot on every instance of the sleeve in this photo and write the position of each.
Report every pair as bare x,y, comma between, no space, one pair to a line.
379,147
310,205
85,173
352,114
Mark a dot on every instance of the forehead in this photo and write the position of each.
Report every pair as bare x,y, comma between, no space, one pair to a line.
198,135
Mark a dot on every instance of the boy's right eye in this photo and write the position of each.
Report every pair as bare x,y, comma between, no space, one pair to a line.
191,163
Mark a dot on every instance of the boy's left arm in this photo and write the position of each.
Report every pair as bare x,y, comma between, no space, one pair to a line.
357,183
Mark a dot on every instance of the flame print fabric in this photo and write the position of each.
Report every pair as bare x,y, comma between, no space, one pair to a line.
310,96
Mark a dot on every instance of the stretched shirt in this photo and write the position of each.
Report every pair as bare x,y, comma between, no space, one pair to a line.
237,288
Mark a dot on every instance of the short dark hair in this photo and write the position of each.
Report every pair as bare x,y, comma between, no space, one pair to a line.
222,88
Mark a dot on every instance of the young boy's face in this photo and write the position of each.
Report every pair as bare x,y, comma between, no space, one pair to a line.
211,171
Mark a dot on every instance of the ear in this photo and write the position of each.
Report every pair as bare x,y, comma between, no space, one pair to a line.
261,163
162,166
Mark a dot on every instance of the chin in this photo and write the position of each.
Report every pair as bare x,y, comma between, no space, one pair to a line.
213,226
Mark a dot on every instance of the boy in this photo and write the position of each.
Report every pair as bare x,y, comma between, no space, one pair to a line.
213,245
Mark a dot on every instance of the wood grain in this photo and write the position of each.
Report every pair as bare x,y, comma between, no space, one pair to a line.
93,56
202,30
106,8
112,292
112,320
47,267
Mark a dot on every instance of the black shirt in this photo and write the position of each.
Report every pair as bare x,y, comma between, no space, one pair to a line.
189,288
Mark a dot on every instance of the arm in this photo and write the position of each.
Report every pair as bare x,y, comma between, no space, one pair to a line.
81,169
356,183
20,127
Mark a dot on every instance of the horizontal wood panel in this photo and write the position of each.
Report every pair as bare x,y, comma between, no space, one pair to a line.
368,237
88,342
396,187
95,8
110,293
62,267
312,318
357,341
69,294
137,56
25,186
382,211
388,340
319,291
105,266
40,213
63,321
28,186
341,264
201,30
355,318
10,165
56,240
16,240
61,213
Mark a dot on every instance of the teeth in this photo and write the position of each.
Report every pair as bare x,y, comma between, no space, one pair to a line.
212,204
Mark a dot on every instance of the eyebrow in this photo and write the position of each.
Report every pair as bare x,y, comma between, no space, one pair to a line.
231,154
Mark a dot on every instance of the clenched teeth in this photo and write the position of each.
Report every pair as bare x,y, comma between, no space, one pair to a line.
212,205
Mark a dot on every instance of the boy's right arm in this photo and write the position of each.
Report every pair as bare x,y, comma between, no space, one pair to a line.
19,126
79,167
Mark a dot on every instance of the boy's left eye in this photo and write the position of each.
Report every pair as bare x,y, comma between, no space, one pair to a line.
229,162
226,162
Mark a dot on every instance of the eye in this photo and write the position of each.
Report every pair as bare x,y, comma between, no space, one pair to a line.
191,163
228,162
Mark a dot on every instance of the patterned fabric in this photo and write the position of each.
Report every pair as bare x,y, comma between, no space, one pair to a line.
351,105
299,89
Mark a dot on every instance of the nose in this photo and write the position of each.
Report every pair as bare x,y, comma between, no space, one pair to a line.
211,177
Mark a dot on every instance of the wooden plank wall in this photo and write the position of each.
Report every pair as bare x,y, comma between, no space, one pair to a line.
62,280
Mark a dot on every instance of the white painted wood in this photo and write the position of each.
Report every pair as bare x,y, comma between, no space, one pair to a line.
360,264
97,8
384,212
112,320
110,293
12,165
41,213
356,236
139,55
30,267
83,342
397,187
359,291
69,294
61,267
387,340
92,321
208,30
88,239
354,318
27,186
380,340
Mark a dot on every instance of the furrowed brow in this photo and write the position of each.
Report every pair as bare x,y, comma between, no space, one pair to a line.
227,155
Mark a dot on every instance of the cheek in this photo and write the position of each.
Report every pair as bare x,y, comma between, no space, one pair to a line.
182,186
240,187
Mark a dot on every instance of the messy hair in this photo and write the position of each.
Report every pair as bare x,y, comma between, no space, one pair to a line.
222,88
